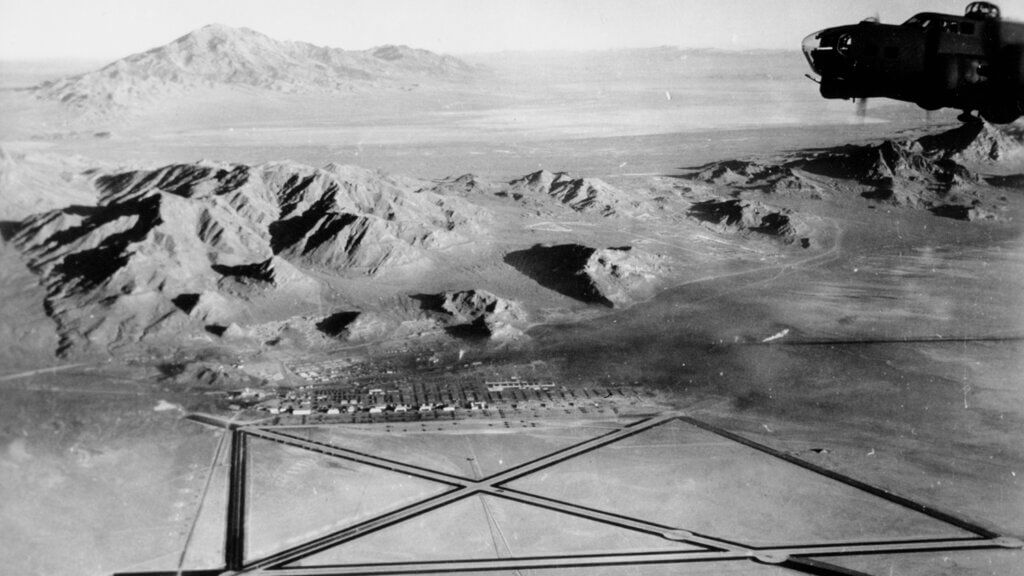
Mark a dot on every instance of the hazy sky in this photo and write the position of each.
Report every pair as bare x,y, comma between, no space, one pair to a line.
109,29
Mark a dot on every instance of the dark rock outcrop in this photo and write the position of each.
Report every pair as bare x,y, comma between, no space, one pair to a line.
612,277
734,215
476,314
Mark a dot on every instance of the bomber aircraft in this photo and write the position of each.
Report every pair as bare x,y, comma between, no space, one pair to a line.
974,62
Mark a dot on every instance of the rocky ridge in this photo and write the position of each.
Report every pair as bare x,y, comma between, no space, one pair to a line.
942,172
201,243
477,313
749,216
539,189
194,251
190,251
625,275
587,195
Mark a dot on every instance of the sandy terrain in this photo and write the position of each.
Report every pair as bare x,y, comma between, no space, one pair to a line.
866,320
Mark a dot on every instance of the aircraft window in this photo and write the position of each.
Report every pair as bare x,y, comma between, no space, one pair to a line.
982,11
918,22
955,27
843,43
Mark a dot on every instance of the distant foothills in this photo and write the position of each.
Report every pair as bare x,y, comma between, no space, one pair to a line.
219,55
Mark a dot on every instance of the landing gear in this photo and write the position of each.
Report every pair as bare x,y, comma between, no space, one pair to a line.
1002,112
995,113
968,117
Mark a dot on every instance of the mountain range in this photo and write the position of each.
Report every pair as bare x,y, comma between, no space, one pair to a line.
191,248
219,55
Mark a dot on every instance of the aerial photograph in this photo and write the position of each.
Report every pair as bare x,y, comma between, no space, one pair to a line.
511,287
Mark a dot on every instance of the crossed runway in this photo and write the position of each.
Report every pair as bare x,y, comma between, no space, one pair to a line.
695,547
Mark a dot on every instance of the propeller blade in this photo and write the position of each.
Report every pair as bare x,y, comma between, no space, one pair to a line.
862,107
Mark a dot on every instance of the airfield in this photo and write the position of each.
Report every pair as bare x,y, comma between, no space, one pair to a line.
556,493
852,406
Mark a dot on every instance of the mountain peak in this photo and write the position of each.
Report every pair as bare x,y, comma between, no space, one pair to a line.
390,51
218,28
217,32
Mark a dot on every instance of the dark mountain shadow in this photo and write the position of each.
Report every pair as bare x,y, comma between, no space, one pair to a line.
186,302
476,330
1009,181
260,271
337,323
430,302
728,212
8,228
954,211
560,268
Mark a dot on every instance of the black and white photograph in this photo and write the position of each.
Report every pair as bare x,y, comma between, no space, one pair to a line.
511,287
